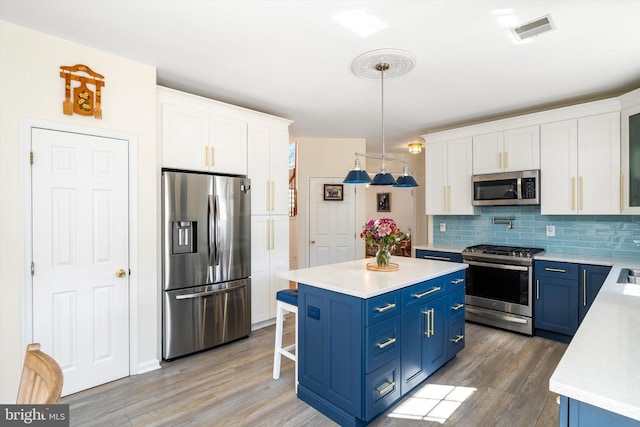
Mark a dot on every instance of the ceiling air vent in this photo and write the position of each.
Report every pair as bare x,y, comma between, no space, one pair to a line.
533,28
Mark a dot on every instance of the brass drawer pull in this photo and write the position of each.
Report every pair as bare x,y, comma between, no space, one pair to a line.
457,307
555,270
436,289
385,308
386,343
389,386
458,338
439,258
457,281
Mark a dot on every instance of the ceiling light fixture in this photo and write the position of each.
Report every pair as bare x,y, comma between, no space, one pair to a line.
415,148
373,65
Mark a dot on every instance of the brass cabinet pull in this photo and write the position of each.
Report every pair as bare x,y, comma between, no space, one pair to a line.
385,308
457,307
506,160
584,288
273,203
213,163
581,194
555,270
418,296
433,321
206,156
444,198
500,160
457,338
441,258
388,387
427,328
386,343
457,281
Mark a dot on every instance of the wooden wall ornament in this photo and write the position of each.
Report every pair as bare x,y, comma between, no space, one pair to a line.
85,101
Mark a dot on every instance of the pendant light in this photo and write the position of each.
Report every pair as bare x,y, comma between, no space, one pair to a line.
375,64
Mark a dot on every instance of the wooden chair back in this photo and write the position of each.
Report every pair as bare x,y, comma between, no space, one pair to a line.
42,378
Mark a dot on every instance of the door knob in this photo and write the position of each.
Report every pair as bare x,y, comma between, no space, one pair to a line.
120,273
313,241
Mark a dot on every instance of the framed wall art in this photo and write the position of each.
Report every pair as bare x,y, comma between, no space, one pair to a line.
383,202
333,192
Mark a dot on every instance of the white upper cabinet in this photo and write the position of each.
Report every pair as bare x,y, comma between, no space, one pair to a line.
196,134
268,165
630,153
511,150
448,168
581,166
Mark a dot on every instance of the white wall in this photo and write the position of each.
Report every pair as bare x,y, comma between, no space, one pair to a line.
30,87
326,157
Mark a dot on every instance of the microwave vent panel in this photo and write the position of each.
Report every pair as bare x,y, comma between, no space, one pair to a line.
533,28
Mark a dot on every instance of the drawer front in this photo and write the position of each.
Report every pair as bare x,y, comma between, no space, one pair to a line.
382,388
420,293
438,255
456,281
382,343
456,306
559,270
456,339
382,307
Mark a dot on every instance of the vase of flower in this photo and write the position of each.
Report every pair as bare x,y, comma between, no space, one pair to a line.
383,233
383,256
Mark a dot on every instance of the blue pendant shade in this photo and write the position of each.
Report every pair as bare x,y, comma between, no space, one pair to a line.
406,180
383,177
357,175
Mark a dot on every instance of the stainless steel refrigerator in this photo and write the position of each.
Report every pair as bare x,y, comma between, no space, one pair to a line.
206,262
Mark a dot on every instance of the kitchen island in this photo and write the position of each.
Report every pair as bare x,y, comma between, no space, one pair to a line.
366,338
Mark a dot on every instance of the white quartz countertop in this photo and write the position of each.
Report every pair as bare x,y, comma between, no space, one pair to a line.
353,278
601,366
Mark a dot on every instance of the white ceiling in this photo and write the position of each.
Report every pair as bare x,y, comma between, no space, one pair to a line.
292,58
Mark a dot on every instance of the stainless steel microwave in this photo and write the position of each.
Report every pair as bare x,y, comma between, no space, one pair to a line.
506,188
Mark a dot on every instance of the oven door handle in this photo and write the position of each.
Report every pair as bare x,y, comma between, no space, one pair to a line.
497,265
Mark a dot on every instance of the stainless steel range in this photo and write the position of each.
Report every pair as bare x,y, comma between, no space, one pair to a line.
499,286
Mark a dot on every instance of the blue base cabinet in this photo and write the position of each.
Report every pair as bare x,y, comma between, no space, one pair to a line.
357,357
563,294
438,255
574,413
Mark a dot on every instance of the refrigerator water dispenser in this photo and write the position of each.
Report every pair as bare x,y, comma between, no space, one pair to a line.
183,239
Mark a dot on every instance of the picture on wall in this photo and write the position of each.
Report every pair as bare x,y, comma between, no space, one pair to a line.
333,192
384,202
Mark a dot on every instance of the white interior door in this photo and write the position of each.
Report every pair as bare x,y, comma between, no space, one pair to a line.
332,224
81,255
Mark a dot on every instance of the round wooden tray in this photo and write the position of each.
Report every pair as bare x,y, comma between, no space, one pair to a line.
374,267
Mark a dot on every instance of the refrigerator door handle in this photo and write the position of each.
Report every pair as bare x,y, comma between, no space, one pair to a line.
207,293
212,231
216,241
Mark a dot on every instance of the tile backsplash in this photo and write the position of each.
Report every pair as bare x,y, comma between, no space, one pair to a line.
611,235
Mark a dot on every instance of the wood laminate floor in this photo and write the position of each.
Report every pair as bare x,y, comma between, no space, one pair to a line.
505,375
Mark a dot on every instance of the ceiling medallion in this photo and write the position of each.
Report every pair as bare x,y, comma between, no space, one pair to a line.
400,62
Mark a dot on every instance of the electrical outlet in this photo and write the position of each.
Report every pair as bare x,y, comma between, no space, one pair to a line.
551,230
443,227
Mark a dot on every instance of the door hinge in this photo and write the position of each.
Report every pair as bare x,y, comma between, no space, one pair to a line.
33,268
30,157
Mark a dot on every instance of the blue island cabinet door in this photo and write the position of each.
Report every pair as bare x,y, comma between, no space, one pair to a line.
331,354
424,348
592,278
